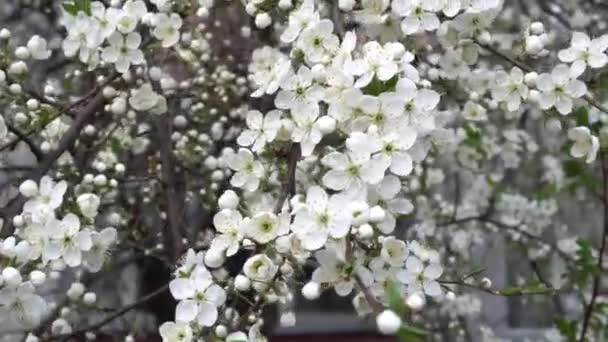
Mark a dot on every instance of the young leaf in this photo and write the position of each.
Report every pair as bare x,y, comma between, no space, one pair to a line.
411,334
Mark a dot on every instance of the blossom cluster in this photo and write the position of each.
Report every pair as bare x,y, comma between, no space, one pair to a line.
46,244
367,149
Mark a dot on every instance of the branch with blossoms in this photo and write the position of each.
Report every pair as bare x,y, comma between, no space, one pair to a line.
224,158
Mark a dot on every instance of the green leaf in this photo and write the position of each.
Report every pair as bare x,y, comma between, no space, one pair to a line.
377,87
71,8
534,289
567,328
45,116
409,333
582,116
585,264
474,138
546,191
75,6
395,302
573,168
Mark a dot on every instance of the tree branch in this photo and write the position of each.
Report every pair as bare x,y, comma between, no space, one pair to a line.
26,139
171,231
289,187
600,262
83,117
587,97
111,317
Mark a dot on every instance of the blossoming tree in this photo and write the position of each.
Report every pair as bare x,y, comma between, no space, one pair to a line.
258,149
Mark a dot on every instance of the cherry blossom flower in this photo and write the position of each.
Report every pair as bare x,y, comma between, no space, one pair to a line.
350,170
385,194
248,170
67,241
22,305
298,91
123,51
262,129
317,41
377,61
420,278
300,19
167,29
559,89
510,88
230,224
419,15
584,51
322,218
101,242
37,47
585,144
176,332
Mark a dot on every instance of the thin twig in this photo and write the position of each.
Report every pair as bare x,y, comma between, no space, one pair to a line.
26,139
113,316
597,278
171,231
526,68
289,187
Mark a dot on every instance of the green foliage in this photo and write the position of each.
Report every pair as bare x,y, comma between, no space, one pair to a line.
267,5
406,333
531,289
573,168
45,116
567,328
75,6
585,267
578,170
547,191
377,87
410,334
395,302
582,116
474,139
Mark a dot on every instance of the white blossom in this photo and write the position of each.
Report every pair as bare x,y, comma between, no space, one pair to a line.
585,144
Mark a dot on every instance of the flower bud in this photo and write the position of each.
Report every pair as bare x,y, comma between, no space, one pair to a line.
485,38
242,283
534,45
326,124
29,188
346,5
537,28
228,200
221,331
5,34
214,258
285,4
365,231
376,214
37,277
11,276
22,52
75,291
530,79
388,322
89,298
18,221
262,20
415,301
311,290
